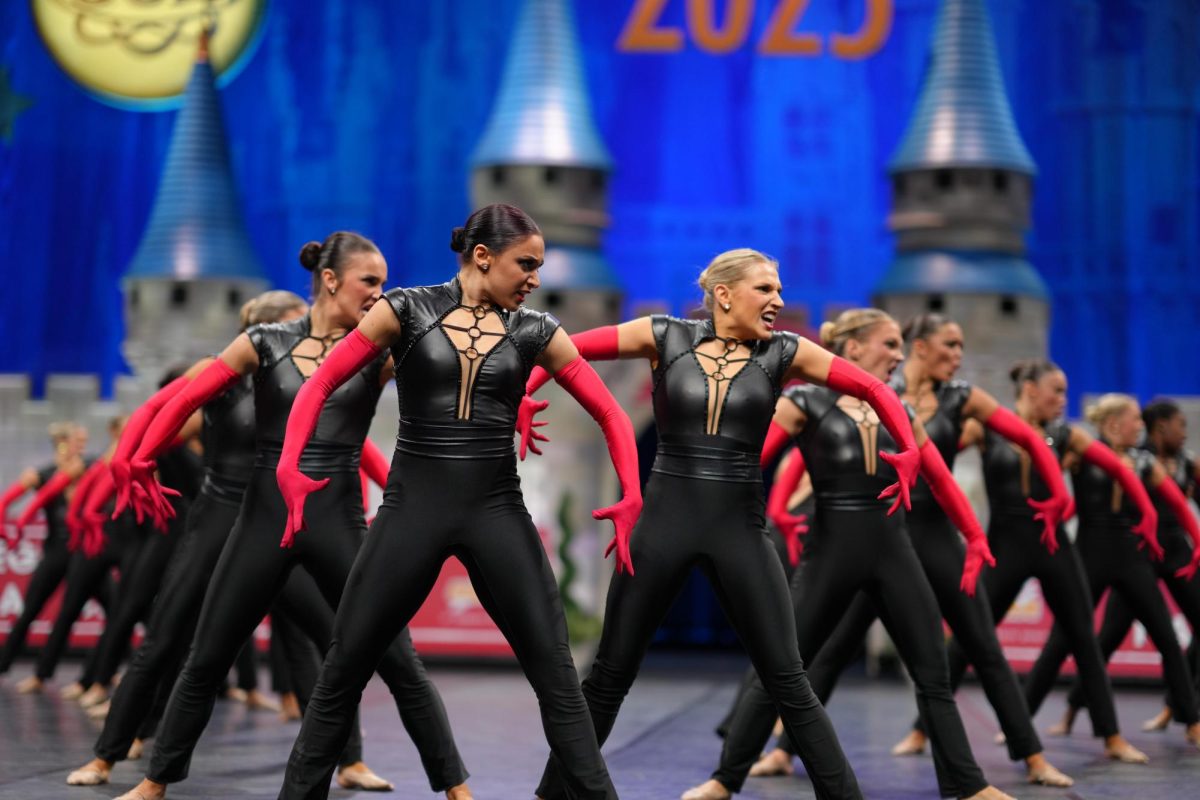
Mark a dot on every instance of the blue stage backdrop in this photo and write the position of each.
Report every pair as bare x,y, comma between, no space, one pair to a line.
363,115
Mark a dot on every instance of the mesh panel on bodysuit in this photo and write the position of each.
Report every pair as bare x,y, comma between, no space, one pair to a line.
473,331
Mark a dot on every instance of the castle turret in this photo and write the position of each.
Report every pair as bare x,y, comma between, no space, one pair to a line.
962,182
195,265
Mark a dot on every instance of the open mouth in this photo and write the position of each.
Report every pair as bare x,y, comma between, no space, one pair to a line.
768,319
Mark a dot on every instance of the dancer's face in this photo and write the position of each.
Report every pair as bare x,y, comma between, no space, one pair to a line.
360,285
880,352
79,440
1047,396
1172,433
1124,427
511,273
754,303
941,352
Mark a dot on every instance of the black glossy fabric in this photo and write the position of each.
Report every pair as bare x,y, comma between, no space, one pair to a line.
229,437
55,511
855,547
337,440
944,429
46,577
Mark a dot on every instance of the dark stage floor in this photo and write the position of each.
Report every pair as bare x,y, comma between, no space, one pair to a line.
663,742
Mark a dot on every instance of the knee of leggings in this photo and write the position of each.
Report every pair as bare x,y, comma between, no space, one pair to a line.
932,681
608,682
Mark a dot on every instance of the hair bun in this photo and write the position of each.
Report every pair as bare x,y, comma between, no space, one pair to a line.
825,333
310,256
458,239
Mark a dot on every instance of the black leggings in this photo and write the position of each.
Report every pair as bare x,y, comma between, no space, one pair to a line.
46,577
433,509
1119,616
718,527
136,591
90,577
942,552
849,551
1015,541
1112,561
248,577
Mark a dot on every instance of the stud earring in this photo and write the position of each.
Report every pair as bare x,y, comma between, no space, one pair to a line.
332,291
726,306
484,267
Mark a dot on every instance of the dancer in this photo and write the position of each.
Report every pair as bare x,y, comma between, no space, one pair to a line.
856,547
715,385
926,382
348,273
52,483
1166,432
1113,556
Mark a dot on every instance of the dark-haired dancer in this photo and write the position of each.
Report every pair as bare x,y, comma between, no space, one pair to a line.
462,351
926,382
348,273
1166,432
1113,558
857,547
53,488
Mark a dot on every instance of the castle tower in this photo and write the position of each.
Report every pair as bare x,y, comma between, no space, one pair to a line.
195,265
962,182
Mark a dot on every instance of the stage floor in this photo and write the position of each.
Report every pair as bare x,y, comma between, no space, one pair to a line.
663,742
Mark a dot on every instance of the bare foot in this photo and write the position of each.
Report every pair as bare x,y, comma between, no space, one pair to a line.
289,707
1000,739
257,700
911,745
1042,772
775,763
359,776
1063,726
460,792
30,685
99,711
709,790
72,691
235,694
93,773
146,790
135,750
95,695
1158,722
1115,747
991,793
1192,734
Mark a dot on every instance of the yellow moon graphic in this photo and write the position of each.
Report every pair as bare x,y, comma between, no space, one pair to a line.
139,53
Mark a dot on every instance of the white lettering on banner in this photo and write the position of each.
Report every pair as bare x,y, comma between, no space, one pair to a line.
92,610
12,602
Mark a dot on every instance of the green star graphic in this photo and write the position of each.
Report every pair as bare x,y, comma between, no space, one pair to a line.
11,105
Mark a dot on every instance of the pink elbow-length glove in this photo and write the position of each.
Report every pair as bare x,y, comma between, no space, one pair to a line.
79,500
791,526
598,344
1169,492
1057,508
92,518
349,356
848,379
951,498
6,498
1099,454
582,382
135,428
56,485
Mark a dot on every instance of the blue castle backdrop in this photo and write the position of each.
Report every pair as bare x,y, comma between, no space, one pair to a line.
364,115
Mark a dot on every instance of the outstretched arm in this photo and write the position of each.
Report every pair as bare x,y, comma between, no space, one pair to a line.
135,428
79,500
1097,453
575,375
791,526
813,363
56,485
378,329
1056,509
1169,491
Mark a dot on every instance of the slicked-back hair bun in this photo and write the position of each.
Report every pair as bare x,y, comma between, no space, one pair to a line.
331,254
853,323
458,239
497,227
310,256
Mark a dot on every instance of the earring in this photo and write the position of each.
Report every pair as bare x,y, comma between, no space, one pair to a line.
484,267
726,306
332,291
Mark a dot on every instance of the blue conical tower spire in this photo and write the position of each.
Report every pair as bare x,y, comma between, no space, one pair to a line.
542,113
963,118
196,229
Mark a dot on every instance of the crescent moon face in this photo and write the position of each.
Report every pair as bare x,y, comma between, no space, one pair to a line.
139,53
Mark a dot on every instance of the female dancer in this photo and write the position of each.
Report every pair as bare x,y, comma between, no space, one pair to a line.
1113,559
1166,431
926,382
348,272
462,352
1018,540
855,547
716,383
52,483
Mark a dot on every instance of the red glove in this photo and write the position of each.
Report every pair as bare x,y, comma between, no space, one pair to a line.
598,344
75,507
951,498
1168,490
374,463
1099,454
11,493
52,488
791,526
131,437
582,382
777,438
345,360
846,378
1051,511
92,517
